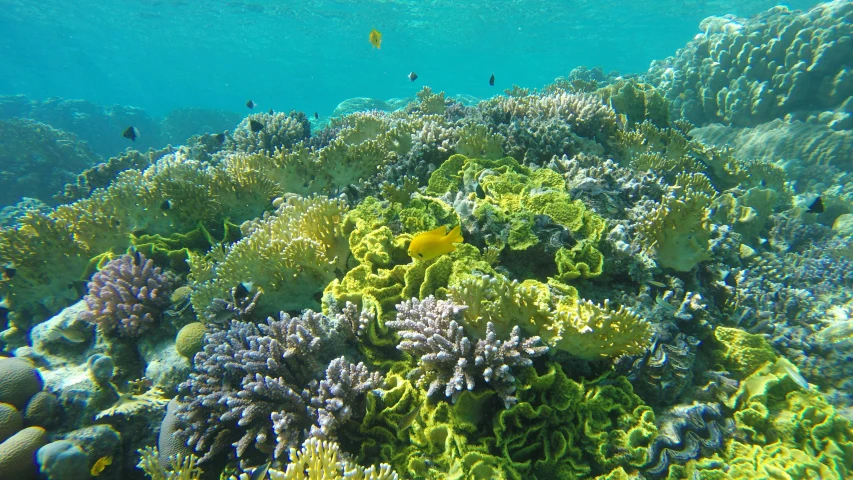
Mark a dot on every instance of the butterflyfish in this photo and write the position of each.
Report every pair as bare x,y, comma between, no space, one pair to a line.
375,38
413,76
431,244
492,80
255,126
101,464
250,104
816,206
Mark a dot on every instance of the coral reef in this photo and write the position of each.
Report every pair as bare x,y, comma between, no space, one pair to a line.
449,360
127,296
744,72
257,386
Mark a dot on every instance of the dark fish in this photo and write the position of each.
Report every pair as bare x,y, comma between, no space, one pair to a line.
131,133
220,137
316,116
260,472
271,112
137,257
413,76
492,80
256,126
816,206
166,206
250,104
409,418
9,272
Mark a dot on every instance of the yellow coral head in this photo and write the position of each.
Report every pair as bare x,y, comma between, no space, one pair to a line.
431,244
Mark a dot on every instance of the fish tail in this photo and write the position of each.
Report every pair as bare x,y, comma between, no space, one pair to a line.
455,235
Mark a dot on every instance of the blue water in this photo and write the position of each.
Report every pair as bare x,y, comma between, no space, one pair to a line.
310,55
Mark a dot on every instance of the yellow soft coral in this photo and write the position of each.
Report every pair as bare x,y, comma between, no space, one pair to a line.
289,255
678,231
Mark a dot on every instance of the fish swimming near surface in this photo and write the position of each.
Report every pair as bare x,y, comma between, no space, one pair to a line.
255,125
413,76
100,465
376,38
250,104
816,206
431,244
131,133
492,80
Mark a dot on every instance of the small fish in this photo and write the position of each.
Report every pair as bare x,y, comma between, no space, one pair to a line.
255,126
250,104
316,116
137,257
166,206
431,244
9,271
101,464
409,418
656,284
131,133
260,472
375,38
492,80
413,76
271,112
5,303
220,137
73,335
816,206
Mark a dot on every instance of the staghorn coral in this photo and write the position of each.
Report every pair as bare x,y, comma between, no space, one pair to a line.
448,359
127,296
256,385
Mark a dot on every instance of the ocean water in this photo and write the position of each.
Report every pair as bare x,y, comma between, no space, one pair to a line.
238,241
162,55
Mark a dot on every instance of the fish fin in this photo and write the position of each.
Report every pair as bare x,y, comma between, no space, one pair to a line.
455,235
437,232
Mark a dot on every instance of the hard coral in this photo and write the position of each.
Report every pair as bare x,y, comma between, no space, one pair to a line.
256,386
127,296
448,359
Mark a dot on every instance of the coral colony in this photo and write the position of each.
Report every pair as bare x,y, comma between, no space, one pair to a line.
622,281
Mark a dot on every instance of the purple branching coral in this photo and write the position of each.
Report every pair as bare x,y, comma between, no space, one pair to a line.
448,359
268,386
127,296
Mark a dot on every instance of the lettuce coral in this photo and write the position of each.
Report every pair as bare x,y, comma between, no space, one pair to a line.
566,429
551,311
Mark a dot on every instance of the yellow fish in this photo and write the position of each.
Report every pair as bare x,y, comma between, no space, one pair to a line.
100,465
431,244
375,38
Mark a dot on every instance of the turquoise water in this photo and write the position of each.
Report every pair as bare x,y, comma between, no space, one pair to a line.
636,265
162,55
